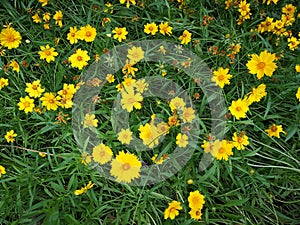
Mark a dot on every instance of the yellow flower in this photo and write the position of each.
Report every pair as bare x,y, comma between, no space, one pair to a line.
182,140
68,91
262,65
125,136
130,69
84,189
15,66
188,115
239,108
195,214
173,210
36,18
128,83
79,59
110,78
135,54
73,35
66,102
269,1
125,167
173,120
149,134
163,128
298,94
244,8
221,77
2,170
164,28
34,89
46,16
177,104
10,38
141,86
58,16
222,149
186,37
289,9
157,161
47,53
90,120
44,2
297,68
3,82
42,154
131,100
128,2
150,28
102,154
26,104
10,136
120,33
50,101
275,130
257,93
87,33
85,158
293,43
240,141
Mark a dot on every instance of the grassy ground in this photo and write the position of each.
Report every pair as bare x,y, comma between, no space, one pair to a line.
258,185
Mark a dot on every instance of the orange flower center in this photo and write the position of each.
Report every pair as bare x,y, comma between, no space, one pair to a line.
119,32
79,58
261,65
63,101
238,108
88,34
51,101
126,166
150,28
221,150
47,52
10,38
221,77
64,92
73,34
34,87
274,128
26,104
240,140
268,23
198,213
102,154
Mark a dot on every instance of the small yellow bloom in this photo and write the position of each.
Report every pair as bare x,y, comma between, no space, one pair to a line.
10,38
120,33
73,35
102,154
275,130
47,53
186,37
79,59
221,77
15,66
2,170
164,28
26,104
182,140
10,136
50,101
36,18
58,16
173,210
125,136
128,2
150,28
196,200
298,94
44,2
3,82
34,89
239,108
90,120
87,33
84,189
110,78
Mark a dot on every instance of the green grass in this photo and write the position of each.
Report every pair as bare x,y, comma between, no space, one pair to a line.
259,185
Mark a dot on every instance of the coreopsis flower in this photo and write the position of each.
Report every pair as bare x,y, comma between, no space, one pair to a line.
87,33
128,69
128,83
36,18
68,91
73,35
125,167
186,37
163,128
150,28
125,136
15,66
84,189
293,43
46,17
173,120
240,141
262,64
221,77
177,104
141,85
289,9
157,161
66,102
3,82
110,78
288,20
85,158
47,53
149,134
275,130
50,101
10,38
164,28
135,54
298,94
26,104
222,149
173,210
34,89
195,214
120,33
90,121
2,170
257,94
128,2
130,100
297,68
269,1
244,8
102,154
188,115
10,136
79,59
58,16
239,108
44,2
196,200
182,140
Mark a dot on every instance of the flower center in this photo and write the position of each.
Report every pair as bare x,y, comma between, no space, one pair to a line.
26,104
88,34
47,52
119,32
126,166
73,34
64,92
238,108
102,153
198,213
261,65
79,58
221,77
268,23
34,87
239,140
221,150
10,38
274,128
51,101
